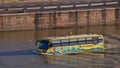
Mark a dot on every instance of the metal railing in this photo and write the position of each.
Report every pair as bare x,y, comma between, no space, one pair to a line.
55,6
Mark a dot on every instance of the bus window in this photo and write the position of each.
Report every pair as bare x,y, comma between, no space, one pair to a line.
56,43
100,39
89,40
65,42
95,40
73,41
81,40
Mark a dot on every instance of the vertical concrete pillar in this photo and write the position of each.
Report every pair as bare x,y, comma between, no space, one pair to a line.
76,20
1,23
72,19
88,14
82,18
110,16
36,20
58,20
88,22
52,20
103,17
117,16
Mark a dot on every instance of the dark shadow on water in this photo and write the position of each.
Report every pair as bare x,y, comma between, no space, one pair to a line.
106,41
113,37
112,51
19,53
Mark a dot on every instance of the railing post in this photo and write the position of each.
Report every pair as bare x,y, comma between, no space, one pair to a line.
74,5
6,9
119,2
104,3
42,7
89,4
24,9
58,6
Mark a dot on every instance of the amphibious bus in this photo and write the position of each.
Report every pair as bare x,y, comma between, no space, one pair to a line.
70,44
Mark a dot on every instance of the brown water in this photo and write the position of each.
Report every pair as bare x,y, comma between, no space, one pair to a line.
17,49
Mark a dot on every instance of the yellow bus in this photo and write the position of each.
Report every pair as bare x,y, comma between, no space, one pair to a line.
70,44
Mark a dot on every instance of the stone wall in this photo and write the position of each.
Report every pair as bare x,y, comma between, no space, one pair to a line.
24,21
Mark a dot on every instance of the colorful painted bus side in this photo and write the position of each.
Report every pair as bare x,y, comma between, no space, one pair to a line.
72,44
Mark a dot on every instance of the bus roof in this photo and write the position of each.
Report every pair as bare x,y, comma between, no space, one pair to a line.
71,36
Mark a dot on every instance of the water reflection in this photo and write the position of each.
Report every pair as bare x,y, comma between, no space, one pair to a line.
82,60
38,34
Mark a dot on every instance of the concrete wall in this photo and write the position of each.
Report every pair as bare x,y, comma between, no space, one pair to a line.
24,21
16,22
78,18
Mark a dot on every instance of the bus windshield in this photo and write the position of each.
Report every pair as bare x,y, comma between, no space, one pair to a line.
43,44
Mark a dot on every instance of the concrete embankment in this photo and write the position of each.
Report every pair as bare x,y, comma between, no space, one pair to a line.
25,21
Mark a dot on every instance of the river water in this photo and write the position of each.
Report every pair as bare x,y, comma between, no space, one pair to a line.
17,49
